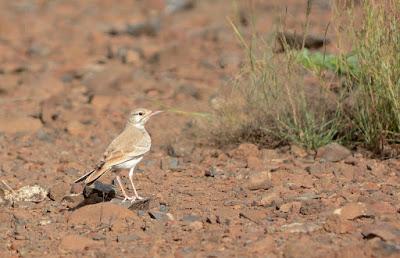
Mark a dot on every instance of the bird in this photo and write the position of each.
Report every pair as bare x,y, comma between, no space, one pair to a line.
124,152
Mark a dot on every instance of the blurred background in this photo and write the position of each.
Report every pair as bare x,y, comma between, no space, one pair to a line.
238,167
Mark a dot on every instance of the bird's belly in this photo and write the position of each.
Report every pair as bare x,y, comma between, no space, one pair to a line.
128,164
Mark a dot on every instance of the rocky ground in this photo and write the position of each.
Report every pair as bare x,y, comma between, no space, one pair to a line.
70,71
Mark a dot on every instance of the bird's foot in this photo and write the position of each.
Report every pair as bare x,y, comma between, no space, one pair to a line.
127,198
139,197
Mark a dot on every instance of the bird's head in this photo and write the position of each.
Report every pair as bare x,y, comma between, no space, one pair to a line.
140,116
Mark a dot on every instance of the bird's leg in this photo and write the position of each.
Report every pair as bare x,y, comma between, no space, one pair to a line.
126,197
133,186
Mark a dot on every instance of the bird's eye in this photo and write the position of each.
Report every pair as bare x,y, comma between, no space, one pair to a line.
140,114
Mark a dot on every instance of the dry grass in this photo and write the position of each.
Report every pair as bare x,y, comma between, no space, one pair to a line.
272,100
377,80
270,103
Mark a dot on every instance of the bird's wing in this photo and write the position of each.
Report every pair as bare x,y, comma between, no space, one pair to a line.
124,147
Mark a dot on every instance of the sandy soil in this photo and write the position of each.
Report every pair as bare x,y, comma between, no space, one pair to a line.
70,72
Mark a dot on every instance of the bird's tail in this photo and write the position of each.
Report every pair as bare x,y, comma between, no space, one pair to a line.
93,175
85,176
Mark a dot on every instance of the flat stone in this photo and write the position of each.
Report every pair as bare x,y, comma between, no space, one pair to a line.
143,204
353,211
191,218
300,227
386,232
333,152
259,180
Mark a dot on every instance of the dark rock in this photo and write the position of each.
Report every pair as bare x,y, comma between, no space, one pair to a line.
99,192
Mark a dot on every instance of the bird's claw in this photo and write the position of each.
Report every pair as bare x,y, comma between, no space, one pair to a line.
132,199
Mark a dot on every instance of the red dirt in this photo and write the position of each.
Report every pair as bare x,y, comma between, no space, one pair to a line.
66,86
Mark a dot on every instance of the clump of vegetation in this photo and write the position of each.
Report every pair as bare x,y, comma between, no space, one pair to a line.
273,101
377,81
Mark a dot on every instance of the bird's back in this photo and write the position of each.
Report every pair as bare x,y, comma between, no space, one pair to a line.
131,142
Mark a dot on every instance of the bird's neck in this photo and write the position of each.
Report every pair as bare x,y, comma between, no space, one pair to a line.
137,126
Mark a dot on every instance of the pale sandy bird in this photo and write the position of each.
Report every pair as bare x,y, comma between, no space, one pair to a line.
125,151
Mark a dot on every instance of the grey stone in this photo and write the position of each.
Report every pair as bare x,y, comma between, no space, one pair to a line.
157,215
170,163
333,152
191,218
174,6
